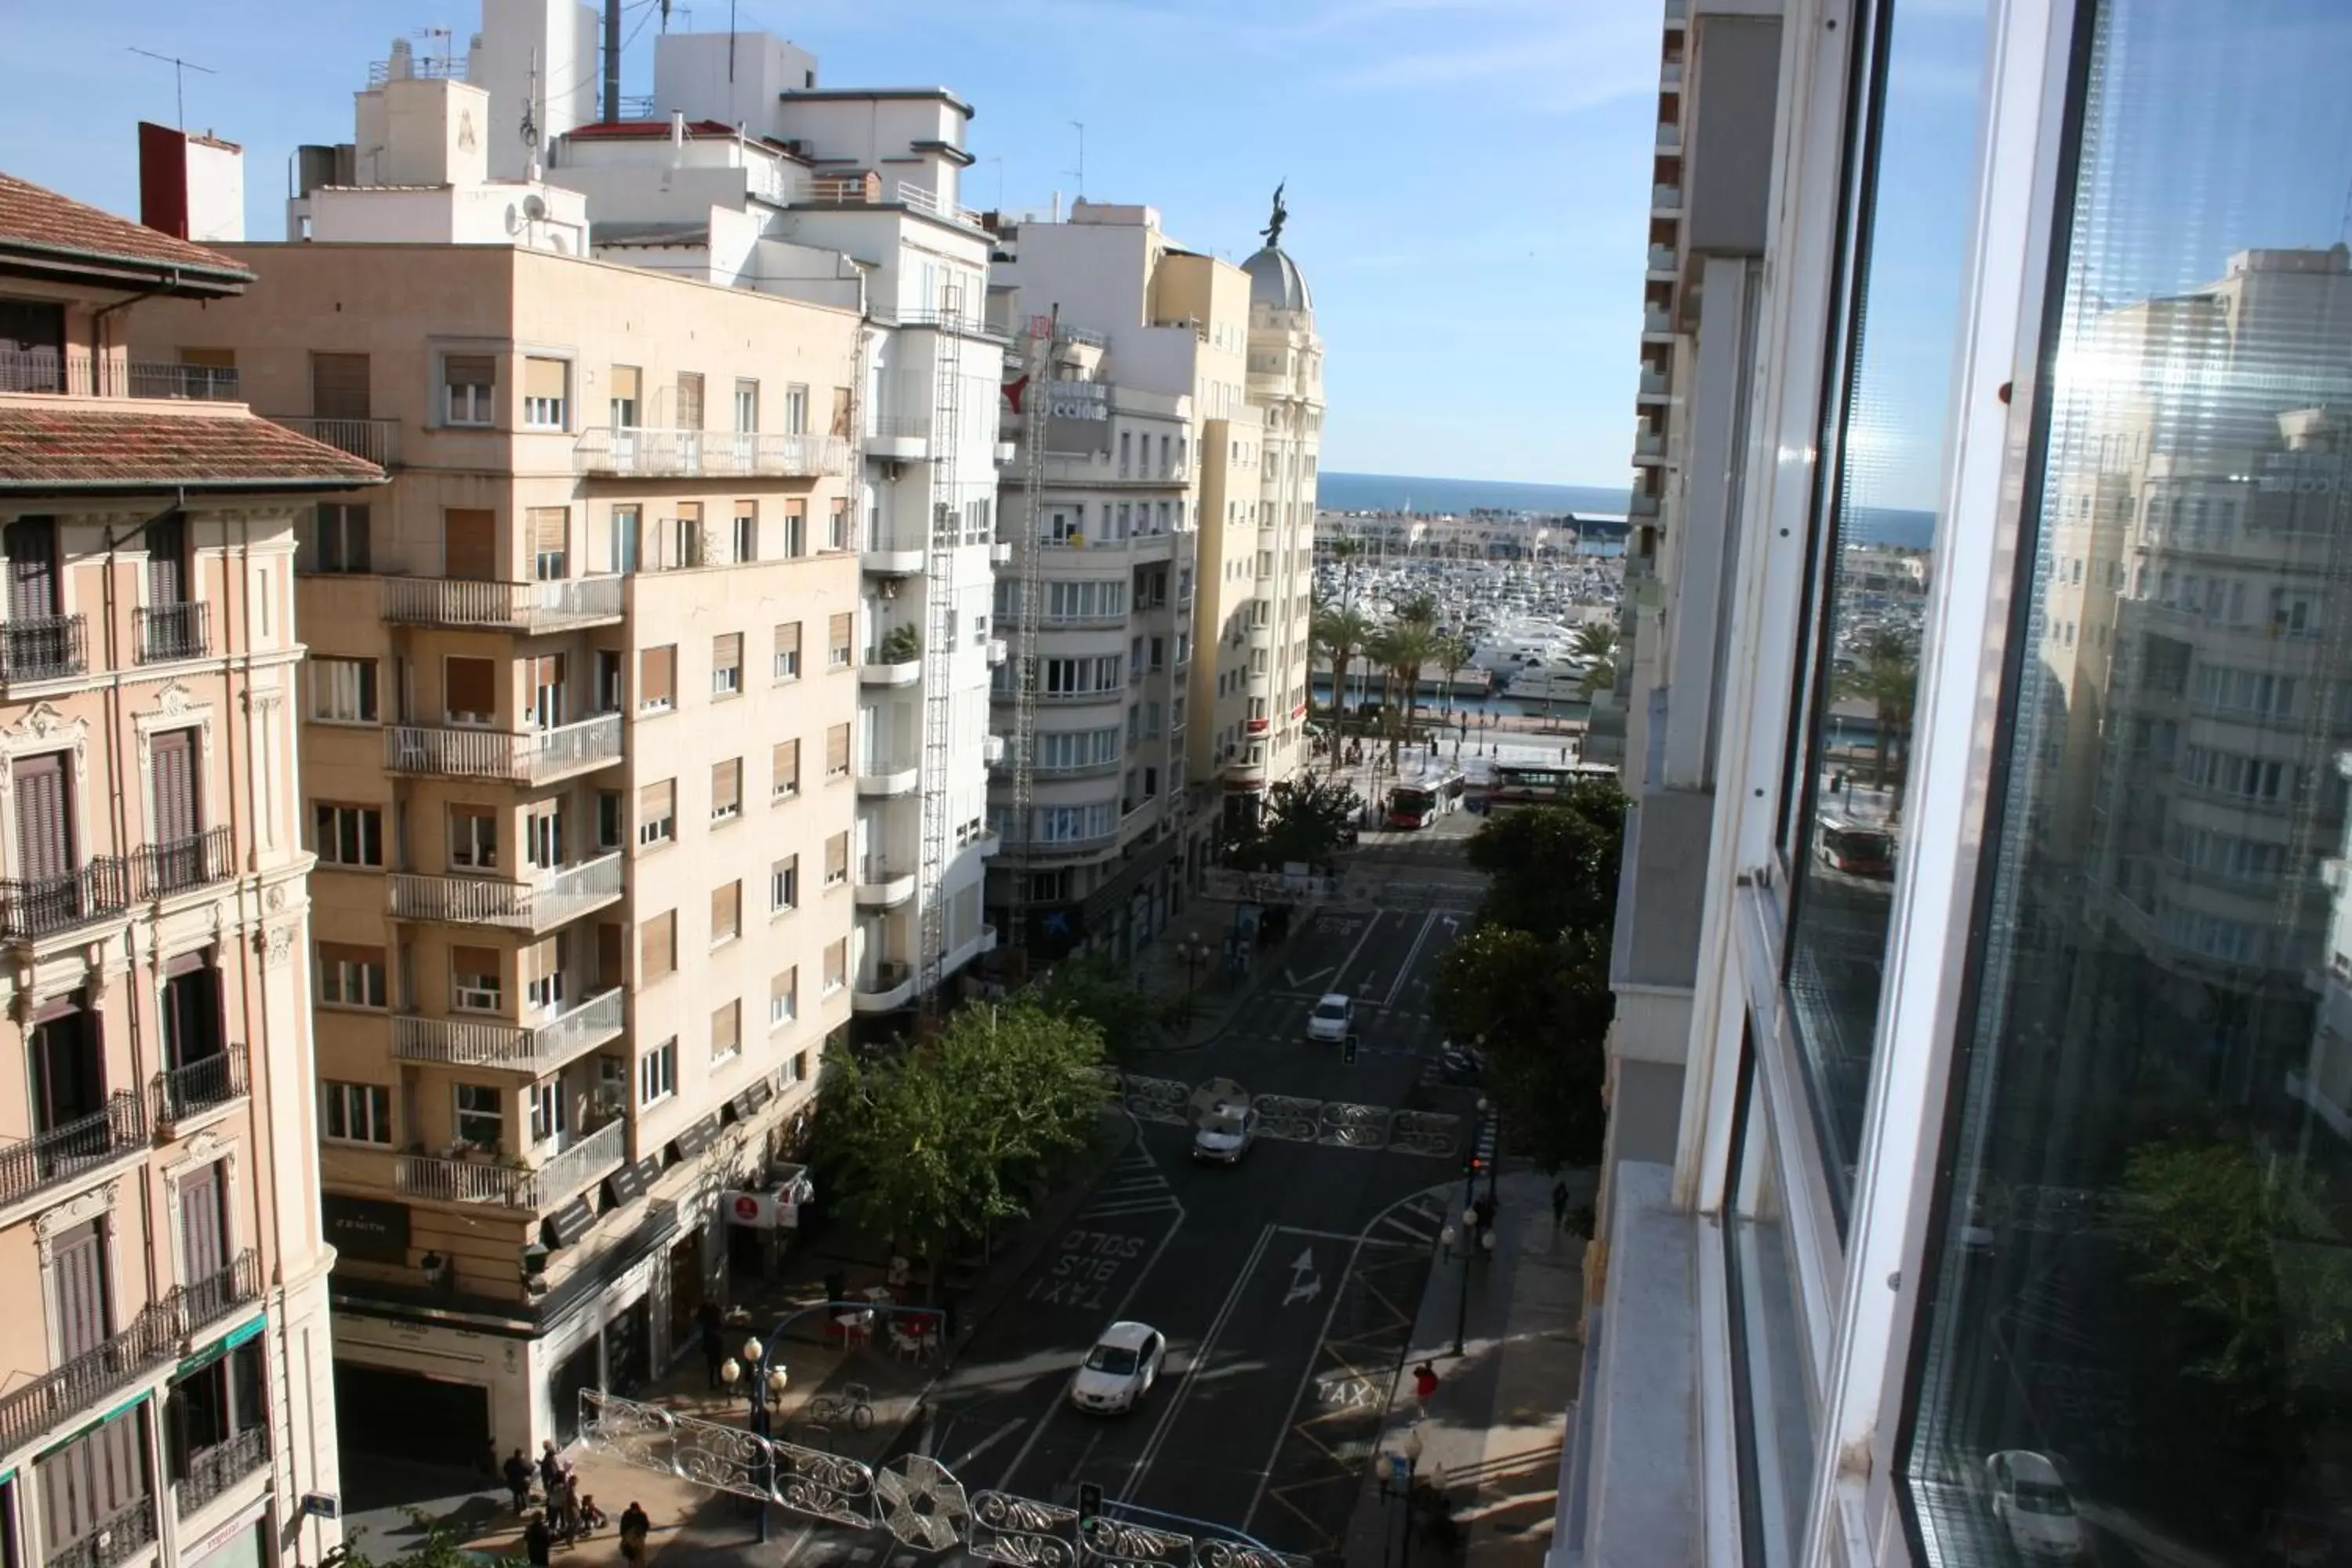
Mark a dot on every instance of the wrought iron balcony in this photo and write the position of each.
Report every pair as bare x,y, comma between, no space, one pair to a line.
117,1538
68,1150
180,865
544,903
374,439
459,1042
531,756
550,1186
35,907
44,648
167,632
196,1086
530,608
213,1471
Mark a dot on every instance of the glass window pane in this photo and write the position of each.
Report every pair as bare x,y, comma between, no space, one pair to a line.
2135,1342
1773,1387
1912,207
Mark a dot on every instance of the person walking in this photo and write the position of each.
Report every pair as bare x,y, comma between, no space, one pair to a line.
518,1474
635,1528
713,1324
550,1466
536,1542
1558,1205
1424,1384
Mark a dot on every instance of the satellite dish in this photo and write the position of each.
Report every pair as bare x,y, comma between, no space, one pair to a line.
534,206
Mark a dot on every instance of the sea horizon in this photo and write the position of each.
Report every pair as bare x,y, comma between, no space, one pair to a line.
1893,526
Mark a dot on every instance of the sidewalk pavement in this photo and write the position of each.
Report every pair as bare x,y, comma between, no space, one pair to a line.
1490,1439
694,1524
1217,997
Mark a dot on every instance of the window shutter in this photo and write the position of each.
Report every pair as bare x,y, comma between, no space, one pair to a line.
204,1243
609,938
840,411
788,641
657,801
657,947
658,678
173,753
689,401
837,630
550,528
469,544
470,686
470,370
725,910
543,378
837,857
167,560
787,765
43,833
780,988
727,786
836,750
32,546
627,381
727,651
726,1029
338,386
79,1259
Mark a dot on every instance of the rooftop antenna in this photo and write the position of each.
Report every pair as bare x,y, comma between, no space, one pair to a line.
448,44
179,69
1080,172
731,42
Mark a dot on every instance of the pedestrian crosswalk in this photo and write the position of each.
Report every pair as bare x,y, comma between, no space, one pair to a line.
1133,1187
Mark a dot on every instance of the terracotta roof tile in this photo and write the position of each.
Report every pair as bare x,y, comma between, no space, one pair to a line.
33,218
75,447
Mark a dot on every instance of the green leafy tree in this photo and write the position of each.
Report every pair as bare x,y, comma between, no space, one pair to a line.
1105,995
1401,649
439,1548
1539,1007
1601,676
1450,652
1304,821
1554,869
1340,633
1887,678
1594,640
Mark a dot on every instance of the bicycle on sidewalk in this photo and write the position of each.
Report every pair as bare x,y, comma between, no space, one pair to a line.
853,1404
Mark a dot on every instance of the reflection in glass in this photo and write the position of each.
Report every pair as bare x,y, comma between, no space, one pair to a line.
1913,199
1773,1384
2139,1343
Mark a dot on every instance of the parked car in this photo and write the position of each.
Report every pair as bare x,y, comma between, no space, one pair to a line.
1120,1369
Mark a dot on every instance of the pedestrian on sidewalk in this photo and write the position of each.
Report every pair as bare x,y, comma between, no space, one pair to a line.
537,1542
518,1474
550,1466
635,1528
1485,1209
1559,1204
1424,1384
713,1324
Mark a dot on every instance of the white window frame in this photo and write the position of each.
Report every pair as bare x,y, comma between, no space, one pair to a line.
368,1104
658,1073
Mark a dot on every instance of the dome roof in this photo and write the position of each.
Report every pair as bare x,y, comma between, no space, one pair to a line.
1275,280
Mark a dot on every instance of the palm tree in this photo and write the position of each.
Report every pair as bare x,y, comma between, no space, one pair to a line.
1341,634
1600,676
1888,679
1418,610
1451,651
1596,641
1402,648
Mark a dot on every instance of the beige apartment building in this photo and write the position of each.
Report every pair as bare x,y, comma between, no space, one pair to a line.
162,1276
578,770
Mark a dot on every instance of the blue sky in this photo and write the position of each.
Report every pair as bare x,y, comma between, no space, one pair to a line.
1468,179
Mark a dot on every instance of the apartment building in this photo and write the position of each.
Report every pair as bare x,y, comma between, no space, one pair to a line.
579,764
1133,355
162,1273
1998,1214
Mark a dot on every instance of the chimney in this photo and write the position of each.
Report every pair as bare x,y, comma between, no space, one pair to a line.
190,186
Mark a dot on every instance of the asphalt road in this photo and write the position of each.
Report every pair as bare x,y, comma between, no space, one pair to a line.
1286,1286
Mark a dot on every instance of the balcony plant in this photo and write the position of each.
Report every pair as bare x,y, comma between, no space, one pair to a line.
901,645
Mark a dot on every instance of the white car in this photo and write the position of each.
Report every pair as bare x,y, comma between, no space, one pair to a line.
1333,1019
2028,1498
1120,1369
1225,1135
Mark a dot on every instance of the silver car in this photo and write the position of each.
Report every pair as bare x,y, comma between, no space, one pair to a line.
1225,1135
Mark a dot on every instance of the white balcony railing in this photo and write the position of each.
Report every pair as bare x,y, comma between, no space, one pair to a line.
929,202
532,756
1656,323
550,1186
1662,258
544,903
1666,199
507,606
634,452
462,1042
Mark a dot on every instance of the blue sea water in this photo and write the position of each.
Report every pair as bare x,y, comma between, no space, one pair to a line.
1409,493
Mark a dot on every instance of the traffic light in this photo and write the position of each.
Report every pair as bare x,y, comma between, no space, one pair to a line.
1348,1050
1089,1504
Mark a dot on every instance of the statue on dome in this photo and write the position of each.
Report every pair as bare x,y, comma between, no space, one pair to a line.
1273,230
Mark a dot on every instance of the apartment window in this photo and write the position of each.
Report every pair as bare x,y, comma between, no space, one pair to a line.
787,665
689,400
784,770
837,859
474,837
1126,446
548,1118
797,1070
657,679
475,980
1771,1389
784,885
621,402
795,529
796,410
551,543
546,394
355,1112
470,691
334,538
837,965
625,534
727,790
344,835
836,525
746,531
608,681
727,664
836,751
726,1032
658,1073
656,813
747,407
342,690
657,947
612,819
785,997
469,384
351,976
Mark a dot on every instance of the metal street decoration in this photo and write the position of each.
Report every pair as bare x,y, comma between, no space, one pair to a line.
914,1498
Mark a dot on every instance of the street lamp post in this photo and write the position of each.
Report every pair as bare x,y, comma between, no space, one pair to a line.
1462,1312
763,1386
1195,953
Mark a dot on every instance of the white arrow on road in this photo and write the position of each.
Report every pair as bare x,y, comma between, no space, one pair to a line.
1304,1283
1296,980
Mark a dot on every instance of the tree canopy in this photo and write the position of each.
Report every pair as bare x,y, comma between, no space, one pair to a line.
1554,869
440,1548
1104,994
1306,819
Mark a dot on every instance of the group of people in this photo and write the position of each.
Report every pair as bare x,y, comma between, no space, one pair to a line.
566,1513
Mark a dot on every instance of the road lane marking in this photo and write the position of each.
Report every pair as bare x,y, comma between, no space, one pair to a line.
1370,926
1141,1469
1304,1283
1405,970
985,1443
